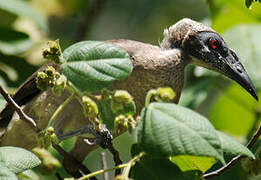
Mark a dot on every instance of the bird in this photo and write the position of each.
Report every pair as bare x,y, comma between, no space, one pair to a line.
184,43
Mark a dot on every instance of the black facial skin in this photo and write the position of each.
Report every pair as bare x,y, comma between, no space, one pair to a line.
209,50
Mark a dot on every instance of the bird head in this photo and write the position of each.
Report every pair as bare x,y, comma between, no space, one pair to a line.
207,48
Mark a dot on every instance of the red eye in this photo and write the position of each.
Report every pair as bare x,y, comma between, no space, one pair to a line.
213,43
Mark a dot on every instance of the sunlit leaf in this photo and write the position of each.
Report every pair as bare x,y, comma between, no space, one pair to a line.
187,163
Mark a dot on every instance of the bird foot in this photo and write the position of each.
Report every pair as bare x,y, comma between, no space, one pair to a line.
103,137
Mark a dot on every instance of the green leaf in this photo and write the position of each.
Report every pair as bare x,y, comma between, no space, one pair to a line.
231,147
245,40
149,167
23,8
167,130
93,65
106,114
6,174
199,87
28,175
18,159
234,99
248,3
237,12
187,163
13,42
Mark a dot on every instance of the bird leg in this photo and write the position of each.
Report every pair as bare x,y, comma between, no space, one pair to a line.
102,137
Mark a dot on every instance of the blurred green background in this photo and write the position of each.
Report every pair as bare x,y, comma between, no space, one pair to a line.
27,25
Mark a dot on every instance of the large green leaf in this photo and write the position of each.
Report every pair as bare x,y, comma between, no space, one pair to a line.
230,147
167,130
23,8
233,148
6,174
18,159
13,42
93,65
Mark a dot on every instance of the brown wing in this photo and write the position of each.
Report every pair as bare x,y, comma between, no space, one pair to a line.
26,92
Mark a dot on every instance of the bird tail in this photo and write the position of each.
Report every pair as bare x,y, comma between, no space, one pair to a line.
6,116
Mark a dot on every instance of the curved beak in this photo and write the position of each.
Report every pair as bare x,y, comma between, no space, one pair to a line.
237,72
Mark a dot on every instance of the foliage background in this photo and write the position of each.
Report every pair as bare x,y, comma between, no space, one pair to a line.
26,26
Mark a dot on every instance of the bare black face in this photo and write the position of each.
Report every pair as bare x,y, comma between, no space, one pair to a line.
209,50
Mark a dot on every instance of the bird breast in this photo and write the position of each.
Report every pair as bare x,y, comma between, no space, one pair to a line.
153,68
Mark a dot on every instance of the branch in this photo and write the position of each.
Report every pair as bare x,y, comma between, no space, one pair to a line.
59,177
128,164
104,166
18,109
116,158
235,159
72,166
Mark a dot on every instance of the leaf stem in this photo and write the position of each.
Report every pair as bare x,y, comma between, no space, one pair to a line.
127,165
151,93
71,88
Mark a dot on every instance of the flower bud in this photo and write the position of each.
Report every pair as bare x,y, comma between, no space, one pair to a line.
54,52
90,107
165,94
48,161
60,85
122,103
42,81
122,96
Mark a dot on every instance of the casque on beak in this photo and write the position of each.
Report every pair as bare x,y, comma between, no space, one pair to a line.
237,72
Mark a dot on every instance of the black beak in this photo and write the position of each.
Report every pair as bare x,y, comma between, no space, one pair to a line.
237,72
